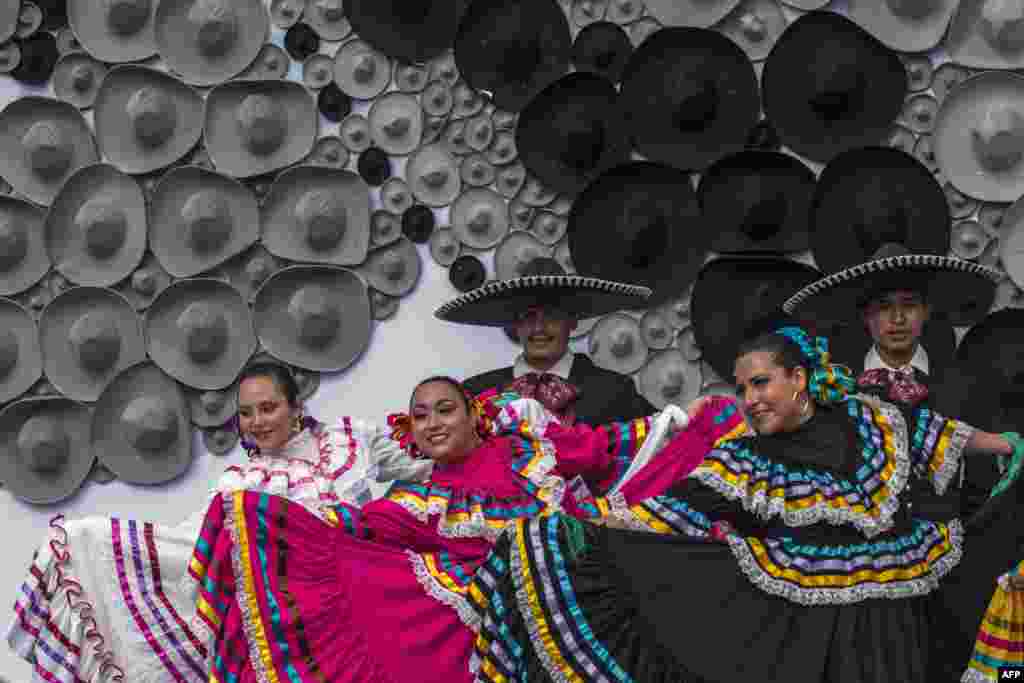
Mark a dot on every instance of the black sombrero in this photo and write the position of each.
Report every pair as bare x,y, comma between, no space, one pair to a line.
870,197
410,30
757,201
830,86
962,290
690,96
512,49
639,222
498,303
731,294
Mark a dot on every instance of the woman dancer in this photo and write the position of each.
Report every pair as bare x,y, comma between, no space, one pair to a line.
109,599
792,555
385,596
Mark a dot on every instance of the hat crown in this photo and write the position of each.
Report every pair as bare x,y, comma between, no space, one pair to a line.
766,217
698,103
323,218
890,250
913,9
1002,24
364,68
212,401
392,266
398,126
998,138
650,240
258,269
207,219
153,115
82,77
43,444
150,424
144,281
261,122
840,90
315,315
96,341
542,265
584,145
482,221
621,343
8,352
527,254
515,58
127,17
13,243
215,26
103,226
47,149
333,10
206,331
437,178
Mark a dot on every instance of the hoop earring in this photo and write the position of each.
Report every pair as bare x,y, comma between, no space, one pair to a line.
296,424
807,405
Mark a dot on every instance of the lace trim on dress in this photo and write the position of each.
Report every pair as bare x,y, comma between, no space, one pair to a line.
852,594
764,489
457,602
952,456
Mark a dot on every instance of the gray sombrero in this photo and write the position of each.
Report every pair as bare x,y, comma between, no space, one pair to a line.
146,119
433,175
616,343
77,78
212,408
140,426
319,215
114,31
255,127
95,231
986,34
44,456
145,283
393,269
314,317
668,377
21,363
497,304
9,10
23,257
250,269
208,41
960,289
904,25
87,336
696,13
200,332
200,219
42,142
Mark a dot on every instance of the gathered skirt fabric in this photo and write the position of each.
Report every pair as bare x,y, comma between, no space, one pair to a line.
570,601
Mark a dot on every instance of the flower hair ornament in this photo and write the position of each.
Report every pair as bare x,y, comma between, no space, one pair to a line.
482,407
827,383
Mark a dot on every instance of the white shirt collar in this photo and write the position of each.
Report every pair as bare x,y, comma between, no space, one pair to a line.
562,368
873,360
302,446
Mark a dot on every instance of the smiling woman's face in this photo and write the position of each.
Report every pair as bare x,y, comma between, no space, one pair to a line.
264,414
442,428
767,390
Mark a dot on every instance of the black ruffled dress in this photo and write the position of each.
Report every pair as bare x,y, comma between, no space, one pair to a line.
794,558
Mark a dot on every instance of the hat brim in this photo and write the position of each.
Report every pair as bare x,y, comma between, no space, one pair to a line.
285,238
166,238
42,488
497,304
175,40
955,125
733,186
116,453
65,245
114,129
901,33
223,137
278,333
731,294
855,182
59,359
36,262
648,95
169,349
89,24
962,290
16,119
788,90
29,365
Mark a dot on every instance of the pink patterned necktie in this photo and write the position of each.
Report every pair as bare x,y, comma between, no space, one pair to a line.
900,385
553,392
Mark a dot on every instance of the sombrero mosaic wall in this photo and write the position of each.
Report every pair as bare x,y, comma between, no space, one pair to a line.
192,182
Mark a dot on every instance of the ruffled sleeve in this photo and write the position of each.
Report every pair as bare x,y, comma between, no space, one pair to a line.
386,459
937,446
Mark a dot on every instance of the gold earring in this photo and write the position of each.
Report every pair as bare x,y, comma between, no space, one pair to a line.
795,394
297,424
807,405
